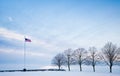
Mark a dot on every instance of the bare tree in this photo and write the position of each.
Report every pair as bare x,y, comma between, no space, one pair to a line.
93,57
110,54
59,60
69,53
79,55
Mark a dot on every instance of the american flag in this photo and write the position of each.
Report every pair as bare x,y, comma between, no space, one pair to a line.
27,40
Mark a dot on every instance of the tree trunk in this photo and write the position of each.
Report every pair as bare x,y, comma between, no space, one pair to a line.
80,67
69,67
59,67
93,68
93,63
110,68
68,63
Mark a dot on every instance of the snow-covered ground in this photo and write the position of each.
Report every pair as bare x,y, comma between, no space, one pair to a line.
46,73
87,71
99,69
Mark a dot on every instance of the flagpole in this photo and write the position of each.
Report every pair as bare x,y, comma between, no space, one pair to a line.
24,55
25,40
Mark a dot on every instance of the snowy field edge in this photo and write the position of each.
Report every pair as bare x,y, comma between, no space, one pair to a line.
56,74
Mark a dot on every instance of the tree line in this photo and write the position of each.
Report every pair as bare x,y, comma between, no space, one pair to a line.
110,54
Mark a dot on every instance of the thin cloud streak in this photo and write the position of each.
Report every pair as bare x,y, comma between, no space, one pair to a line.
21,53
10,34
35,42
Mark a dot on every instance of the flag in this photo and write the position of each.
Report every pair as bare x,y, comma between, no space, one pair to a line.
27,40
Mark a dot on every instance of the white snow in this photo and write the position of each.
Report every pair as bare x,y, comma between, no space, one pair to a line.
87,71
46,73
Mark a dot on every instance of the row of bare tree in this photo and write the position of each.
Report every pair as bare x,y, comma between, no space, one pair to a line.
110,54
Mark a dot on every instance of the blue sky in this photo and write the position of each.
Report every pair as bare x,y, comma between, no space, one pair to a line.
54,26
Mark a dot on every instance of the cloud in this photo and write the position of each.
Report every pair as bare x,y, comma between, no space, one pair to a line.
10,19
36,43
21,53
11,34
16,56
44,44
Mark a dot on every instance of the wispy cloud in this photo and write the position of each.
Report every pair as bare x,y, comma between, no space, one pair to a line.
8,34
21,53
10,18
11,34
44,44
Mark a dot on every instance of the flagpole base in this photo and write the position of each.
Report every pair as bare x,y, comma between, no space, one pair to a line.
24,69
